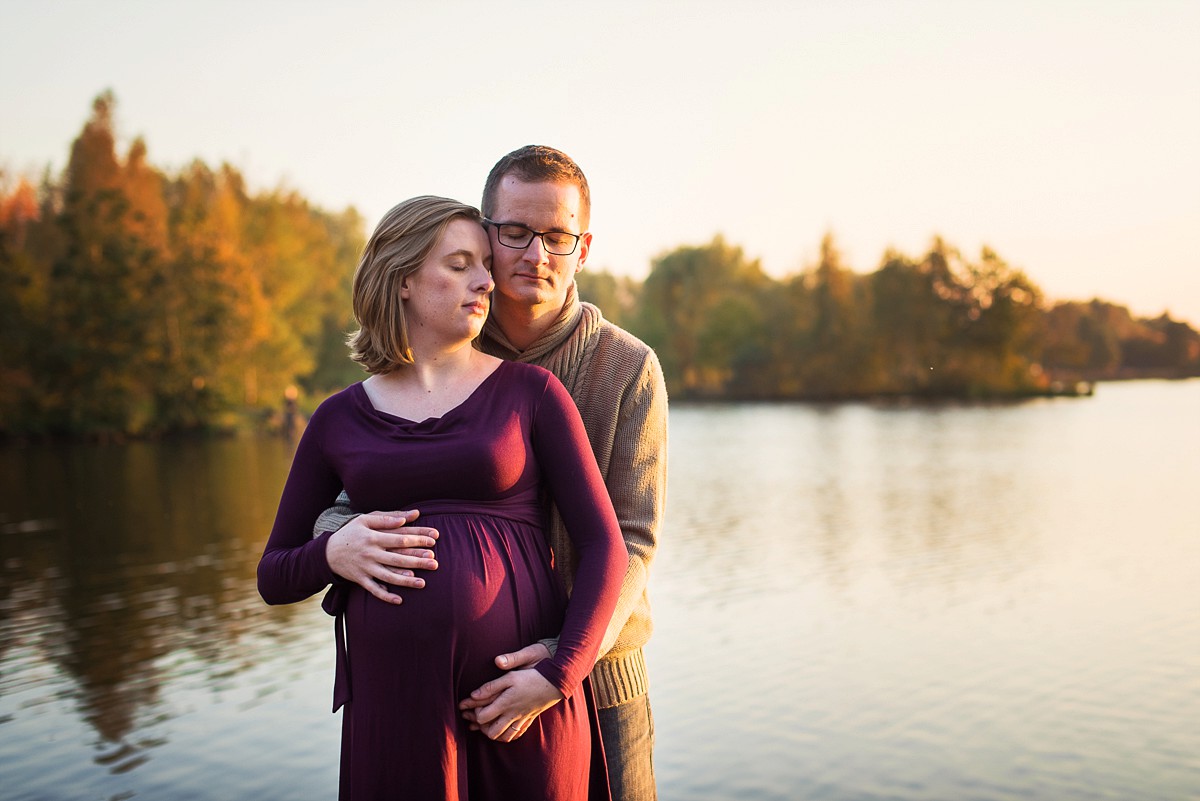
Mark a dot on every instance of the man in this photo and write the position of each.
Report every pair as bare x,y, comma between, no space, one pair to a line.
537,204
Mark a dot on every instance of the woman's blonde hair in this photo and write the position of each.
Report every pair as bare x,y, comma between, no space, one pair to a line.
400,244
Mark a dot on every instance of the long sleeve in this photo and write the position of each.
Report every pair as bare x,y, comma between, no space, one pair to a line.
293,565
577,488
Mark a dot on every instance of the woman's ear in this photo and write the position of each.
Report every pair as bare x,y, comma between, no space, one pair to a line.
404,290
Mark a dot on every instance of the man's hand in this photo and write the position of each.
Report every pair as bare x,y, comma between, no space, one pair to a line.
504,708
381,548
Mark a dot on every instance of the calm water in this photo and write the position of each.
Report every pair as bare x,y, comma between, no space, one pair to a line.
852,602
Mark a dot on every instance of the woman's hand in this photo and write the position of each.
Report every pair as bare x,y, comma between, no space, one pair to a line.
382,548
505,708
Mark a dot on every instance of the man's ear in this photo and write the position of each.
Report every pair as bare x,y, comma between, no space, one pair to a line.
585,246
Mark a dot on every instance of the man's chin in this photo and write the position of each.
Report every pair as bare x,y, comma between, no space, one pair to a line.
524,295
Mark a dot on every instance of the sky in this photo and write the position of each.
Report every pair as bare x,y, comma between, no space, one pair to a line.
1063,135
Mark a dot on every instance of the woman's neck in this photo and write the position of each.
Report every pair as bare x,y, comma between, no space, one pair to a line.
431,386
432,367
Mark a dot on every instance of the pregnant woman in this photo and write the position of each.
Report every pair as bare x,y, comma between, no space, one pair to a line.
479,446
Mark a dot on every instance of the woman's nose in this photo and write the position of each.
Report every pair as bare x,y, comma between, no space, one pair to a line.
483,280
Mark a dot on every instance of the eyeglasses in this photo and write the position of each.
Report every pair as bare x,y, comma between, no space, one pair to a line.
518,237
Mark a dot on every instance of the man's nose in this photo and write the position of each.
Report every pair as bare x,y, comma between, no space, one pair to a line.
536,250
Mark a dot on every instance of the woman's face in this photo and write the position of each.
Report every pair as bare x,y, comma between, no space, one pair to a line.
447,298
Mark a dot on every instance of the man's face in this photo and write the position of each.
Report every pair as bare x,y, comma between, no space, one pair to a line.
530,277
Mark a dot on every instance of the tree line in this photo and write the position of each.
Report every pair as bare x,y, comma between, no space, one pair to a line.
138,302
940,325
134,301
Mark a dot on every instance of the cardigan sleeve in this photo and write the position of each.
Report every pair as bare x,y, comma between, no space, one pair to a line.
637,484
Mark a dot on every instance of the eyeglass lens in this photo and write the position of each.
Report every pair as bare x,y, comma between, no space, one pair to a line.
518,236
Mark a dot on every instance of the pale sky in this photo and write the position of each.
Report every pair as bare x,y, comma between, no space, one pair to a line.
1064,135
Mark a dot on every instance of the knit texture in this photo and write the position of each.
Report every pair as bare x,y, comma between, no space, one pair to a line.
617,383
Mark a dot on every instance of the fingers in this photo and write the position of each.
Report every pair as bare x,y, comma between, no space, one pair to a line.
383,521
369,553
510,732
380,591
398,569
504,708
391,519
396,522
485,695
400,538
528,656
404,579
412,544
412,559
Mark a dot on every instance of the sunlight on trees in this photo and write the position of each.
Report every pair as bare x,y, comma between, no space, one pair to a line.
136,302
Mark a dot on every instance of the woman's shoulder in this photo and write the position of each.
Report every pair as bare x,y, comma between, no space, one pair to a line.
340,403
530,377
534,385
526,384
524,371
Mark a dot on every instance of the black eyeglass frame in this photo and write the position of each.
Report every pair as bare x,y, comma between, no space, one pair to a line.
532,233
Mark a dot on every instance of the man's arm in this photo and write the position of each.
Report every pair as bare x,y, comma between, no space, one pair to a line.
378,549
637,484
336,516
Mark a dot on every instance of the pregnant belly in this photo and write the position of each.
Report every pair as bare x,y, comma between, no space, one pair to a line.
494,591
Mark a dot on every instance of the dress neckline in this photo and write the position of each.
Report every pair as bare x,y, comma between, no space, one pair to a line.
365,402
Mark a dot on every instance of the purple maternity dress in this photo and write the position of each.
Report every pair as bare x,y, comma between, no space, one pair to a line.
482,475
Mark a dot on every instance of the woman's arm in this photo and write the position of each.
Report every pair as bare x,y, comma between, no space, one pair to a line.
505,707
293,565
570,473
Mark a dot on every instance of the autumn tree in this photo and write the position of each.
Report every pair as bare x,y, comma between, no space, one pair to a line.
137,302
101,320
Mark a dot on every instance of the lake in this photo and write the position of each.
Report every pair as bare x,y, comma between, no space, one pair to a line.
852,602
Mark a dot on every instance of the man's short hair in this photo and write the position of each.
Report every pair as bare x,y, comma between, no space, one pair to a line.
536,164
400,244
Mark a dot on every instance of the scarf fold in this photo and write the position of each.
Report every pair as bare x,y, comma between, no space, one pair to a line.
565,345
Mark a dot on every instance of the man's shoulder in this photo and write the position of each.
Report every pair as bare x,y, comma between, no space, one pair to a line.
611,336
624,358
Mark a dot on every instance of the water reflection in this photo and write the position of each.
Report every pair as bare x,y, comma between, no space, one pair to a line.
116,558
851,602
961,602
805,491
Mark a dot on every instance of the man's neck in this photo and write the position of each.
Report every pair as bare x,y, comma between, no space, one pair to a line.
522,325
